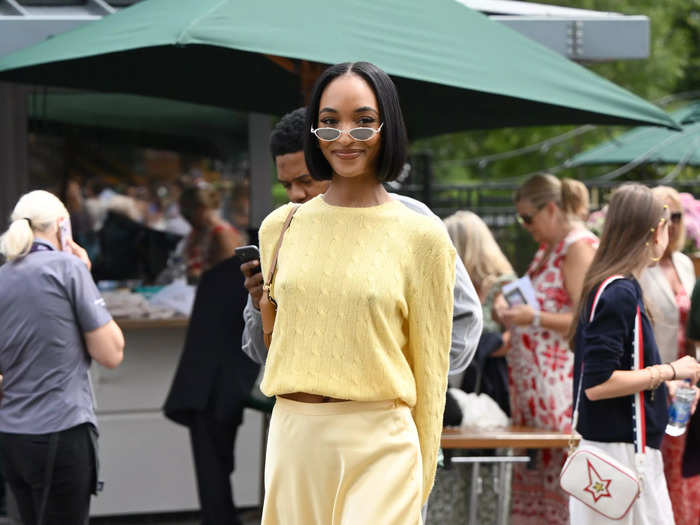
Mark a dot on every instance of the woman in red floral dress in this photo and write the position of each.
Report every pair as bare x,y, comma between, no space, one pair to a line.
540,362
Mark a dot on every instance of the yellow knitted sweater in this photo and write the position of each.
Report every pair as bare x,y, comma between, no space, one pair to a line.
364,309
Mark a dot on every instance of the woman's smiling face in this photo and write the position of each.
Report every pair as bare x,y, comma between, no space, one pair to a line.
348,102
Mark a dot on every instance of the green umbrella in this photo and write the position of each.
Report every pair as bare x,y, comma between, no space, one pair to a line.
455,69
651,145
144,120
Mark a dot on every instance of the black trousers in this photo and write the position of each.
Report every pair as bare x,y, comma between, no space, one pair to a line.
212,448
24,461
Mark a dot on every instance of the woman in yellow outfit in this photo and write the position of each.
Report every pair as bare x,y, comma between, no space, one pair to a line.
360,352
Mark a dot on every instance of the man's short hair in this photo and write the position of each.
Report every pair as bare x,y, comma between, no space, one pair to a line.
288,135
394,146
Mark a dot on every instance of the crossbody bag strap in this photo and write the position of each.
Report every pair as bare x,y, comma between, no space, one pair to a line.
275,254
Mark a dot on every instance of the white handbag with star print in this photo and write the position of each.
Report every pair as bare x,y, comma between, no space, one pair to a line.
594,477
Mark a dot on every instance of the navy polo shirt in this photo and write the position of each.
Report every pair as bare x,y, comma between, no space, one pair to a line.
605,345
48,300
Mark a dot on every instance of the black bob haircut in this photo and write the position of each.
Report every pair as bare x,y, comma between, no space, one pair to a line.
288,134
394,145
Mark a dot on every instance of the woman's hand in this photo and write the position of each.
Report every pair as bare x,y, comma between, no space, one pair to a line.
672,387
520,315
253,281
503,350
687,368
500,305
80,253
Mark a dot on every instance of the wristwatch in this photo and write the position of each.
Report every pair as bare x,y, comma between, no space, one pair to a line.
536,319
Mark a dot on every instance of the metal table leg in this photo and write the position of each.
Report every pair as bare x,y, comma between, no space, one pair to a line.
503,486
501,483
475,490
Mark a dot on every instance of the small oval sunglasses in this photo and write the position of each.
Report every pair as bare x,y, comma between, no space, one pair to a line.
331,134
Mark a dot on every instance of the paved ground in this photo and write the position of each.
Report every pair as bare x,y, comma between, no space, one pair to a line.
249,517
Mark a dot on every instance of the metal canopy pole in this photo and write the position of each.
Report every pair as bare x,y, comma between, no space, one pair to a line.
14,173
259,128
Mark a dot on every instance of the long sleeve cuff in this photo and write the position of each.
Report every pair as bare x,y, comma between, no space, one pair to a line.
252,341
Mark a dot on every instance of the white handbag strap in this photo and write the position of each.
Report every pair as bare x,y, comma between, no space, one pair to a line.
637,364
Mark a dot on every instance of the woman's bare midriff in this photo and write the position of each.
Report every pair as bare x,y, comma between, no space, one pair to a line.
304,397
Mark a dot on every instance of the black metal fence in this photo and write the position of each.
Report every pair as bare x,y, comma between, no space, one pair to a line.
493,202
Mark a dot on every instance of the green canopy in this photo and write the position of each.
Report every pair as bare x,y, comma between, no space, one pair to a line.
136,114
455,68
651,145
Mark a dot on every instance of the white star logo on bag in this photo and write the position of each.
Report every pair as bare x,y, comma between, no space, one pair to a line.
597,486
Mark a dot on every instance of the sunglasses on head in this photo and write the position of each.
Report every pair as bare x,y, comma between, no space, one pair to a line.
676,217
331,134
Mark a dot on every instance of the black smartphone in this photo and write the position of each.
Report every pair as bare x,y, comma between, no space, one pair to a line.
248,253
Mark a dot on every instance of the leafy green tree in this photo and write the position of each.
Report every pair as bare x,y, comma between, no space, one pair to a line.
673,66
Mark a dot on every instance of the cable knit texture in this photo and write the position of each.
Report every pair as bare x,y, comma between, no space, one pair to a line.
364,310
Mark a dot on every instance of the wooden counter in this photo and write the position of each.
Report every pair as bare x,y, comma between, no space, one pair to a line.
146,459
508,437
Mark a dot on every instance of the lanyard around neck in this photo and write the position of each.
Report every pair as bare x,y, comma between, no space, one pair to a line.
41,246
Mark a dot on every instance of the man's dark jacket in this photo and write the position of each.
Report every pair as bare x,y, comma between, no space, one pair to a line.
214,375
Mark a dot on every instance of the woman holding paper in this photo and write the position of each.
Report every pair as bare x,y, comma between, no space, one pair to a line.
540,362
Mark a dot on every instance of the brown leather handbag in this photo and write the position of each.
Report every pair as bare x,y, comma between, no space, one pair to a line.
268,306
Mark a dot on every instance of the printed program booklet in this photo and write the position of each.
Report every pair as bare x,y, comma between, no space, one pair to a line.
520,291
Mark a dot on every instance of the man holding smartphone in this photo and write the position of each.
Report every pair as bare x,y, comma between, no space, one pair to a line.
287,149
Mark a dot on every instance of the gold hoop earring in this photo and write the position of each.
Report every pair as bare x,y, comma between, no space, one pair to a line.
654,259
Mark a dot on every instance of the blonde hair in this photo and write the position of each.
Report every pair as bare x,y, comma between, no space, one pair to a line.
477,248
35,211
570,196
580,198
634,214
667,193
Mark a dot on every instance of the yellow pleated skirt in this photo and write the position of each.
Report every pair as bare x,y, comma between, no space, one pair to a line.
345,463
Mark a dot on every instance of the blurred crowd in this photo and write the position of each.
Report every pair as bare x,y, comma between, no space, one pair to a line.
209,218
